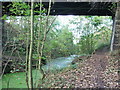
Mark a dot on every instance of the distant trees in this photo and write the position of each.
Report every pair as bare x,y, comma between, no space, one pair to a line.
88,34
87,42
59,43
93,32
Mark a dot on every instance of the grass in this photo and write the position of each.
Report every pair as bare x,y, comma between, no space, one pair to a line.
100,45
18,80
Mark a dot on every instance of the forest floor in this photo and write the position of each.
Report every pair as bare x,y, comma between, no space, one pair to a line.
98,71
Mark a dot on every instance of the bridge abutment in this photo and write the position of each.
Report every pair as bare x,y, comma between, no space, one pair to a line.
115,43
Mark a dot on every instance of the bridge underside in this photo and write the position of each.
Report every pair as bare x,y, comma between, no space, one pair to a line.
73,8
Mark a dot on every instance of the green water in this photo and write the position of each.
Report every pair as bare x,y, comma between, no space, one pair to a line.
59,63
17,80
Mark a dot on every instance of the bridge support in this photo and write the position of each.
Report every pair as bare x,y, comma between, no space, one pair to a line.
115,43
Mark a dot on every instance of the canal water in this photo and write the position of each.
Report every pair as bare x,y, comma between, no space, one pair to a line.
59,63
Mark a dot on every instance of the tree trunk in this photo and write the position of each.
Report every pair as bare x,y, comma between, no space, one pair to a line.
43,41
40,27
113,33
27,53
1,27
30,79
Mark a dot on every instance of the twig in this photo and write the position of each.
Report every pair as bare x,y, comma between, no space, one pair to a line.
7,63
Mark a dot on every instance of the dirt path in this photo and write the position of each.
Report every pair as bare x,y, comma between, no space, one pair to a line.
99,65
95,72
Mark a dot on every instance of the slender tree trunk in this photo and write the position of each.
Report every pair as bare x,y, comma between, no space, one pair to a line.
46,28
30,79
113,33
38,47
43,41
1,28
27,53
44,37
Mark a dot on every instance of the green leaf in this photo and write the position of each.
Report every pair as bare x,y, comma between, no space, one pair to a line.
4,17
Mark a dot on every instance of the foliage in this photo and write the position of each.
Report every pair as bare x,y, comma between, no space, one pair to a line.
93,33
59,43
87,42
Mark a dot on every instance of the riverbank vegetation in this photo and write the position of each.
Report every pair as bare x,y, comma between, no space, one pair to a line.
50,38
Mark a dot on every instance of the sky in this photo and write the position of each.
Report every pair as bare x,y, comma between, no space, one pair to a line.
64,20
